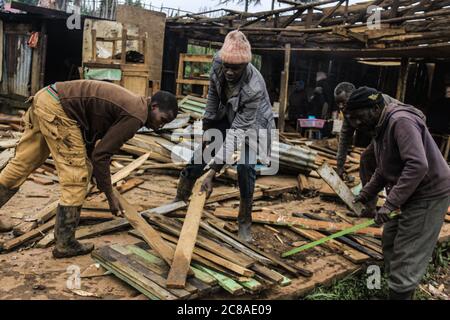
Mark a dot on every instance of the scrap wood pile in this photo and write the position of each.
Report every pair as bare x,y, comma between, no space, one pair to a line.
210,257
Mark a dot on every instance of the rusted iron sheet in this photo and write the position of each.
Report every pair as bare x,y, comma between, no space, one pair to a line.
16,65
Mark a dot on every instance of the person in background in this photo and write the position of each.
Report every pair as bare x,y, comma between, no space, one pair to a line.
298,103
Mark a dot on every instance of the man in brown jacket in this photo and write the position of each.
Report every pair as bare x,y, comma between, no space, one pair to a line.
80,122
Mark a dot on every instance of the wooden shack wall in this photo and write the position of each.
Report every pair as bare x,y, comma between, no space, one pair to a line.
152,22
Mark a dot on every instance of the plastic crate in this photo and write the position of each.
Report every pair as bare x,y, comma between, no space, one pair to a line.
311,123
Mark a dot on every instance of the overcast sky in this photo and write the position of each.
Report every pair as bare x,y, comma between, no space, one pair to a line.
195,5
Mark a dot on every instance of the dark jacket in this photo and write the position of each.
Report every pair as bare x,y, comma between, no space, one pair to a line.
249,109
106,112
347,133
409,163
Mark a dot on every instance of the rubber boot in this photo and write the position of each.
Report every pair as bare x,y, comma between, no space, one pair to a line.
408,295
67,219
185,186
5,194
245,219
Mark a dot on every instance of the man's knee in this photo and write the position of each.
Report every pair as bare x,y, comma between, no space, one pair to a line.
73,194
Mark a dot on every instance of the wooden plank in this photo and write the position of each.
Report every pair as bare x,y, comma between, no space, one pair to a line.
216,259
274,192
127,257
349,253
114,270
107,254
284,87
148,233
335,182
200,275
164,209
266,272
130,184
259,253
226,283
252,285
188,235
125,172
13,243
303,183
195,257
87,231
210,245
275,219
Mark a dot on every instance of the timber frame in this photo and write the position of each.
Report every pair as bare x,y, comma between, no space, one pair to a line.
323,26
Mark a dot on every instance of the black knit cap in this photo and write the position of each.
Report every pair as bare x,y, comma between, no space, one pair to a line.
364,97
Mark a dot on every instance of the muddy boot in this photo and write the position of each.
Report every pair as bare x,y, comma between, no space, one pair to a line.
185,186
408,295
245,219
67,219
5,194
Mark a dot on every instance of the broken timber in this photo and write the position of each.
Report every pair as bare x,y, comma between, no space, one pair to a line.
341,189
153,239
352,229
279,220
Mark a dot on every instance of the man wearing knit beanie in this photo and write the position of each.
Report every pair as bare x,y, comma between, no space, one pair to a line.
238,104
417,180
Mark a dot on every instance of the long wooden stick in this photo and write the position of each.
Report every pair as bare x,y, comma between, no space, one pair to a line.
353,229
149,234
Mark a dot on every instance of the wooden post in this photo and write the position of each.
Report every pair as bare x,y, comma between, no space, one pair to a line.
402,79
394,9
124,46
284,89
309,18
94,45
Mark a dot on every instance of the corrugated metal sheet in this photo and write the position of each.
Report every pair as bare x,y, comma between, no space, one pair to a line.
16,65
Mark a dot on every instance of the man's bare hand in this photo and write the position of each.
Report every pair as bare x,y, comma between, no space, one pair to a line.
207,185
115,206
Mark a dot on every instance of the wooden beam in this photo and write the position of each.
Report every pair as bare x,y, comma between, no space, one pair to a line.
279,220
188,235
402,80
332,179
326,16
227,264
207,244
13,243
284,92
225,236
292,18
149,234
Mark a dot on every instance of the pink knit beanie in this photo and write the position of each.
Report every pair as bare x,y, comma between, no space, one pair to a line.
236,49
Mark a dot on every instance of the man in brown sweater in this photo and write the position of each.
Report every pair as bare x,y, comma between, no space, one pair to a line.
79,123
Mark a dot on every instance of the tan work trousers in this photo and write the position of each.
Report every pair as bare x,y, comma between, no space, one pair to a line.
48,130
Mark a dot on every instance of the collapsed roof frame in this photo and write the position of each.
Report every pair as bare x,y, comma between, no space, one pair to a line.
407,28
